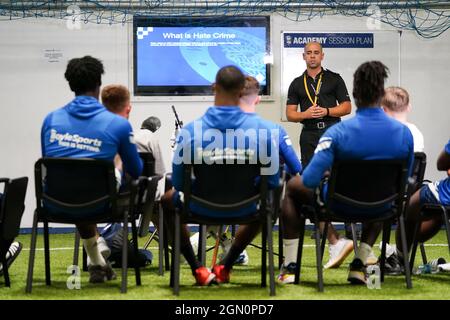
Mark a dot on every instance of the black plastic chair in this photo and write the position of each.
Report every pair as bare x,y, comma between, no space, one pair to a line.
360,184
225,188
70,186
12,207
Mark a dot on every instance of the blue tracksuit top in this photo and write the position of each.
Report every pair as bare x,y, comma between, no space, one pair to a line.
370,135
84,128
287,153
209,132
443,187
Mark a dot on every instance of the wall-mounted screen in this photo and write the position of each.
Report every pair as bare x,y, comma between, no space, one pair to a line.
181,56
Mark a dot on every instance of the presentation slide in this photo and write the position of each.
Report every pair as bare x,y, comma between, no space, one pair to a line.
191,56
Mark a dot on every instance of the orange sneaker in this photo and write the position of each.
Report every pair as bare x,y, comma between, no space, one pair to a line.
222,274
204,276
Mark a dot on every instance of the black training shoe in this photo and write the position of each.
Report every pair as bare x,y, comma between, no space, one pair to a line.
99,274
357,273
394,265
11,255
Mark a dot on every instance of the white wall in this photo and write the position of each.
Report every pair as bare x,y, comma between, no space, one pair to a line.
31,86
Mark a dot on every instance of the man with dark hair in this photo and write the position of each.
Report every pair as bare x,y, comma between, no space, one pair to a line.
100,135
371,134
220,120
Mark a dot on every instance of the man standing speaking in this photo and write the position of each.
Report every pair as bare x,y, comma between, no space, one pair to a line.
323,99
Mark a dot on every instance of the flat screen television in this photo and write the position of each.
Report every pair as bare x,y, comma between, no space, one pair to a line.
181,56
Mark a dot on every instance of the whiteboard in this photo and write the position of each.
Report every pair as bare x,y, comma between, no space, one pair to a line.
342,60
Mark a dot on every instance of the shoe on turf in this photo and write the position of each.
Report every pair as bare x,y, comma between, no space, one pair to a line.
338,252
204,276
357,273
242,259
287,274
13,252
99,274
222,274
394,265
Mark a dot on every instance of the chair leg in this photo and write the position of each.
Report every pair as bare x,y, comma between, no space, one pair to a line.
137,269
414,244
280,244
32,254
271,263
423,253
48,280
447,225
354,236
5,271
405,252
300,251
161,242
76,249
202,244
264,255
84,257
176,256
324,240
318,254
384,240
123,288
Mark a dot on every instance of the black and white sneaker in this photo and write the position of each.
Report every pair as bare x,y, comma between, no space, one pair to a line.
12,254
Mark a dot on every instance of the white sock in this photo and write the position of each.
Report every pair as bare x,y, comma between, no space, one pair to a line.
290,251
363,252
90,245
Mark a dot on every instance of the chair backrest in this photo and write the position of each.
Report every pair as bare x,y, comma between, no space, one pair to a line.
367,184
70,185
149,163
12,207
418,173
224,187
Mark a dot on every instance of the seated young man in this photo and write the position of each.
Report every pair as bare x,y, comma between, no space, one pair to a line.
86,117
437,192
371,134
219,120
396,104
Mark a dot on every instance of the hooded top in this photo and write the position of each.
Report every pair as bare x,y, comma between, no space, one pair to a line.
84,128
226,132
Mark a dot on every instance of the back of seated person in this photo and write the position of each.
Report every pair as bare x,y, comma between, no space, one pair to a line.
104,135
396,104
196,146
370,135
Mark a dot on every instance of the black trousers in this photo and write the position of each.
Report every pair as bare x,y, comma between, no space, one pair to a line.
309,138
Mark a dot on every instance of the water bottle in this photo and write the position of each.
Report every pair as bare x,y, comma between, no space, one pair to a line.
423,269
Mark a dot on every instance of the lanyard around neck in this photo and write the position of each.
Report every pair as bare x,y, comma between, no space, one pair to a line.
316,91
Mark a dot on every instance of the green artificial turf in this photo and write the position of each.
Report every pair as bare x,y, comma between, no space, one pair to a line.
245,280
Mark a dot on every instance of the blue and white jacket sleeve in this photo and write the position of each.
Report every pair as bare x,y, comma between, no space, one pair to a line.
132,163
322,160
287,152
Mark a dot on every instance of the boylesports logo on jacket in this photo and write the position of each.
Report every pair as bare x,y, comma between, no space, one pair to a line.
75,141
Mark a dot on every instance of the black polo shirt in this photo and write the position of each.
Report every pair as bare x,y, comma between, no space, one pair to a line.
332,92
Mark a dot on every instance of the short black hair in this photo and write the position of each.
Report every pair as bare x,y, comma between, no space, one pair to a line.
368,83
231,79
84,74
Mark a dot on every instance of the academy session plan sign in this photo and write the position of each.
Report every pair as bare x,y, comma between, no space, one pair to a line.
329,40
